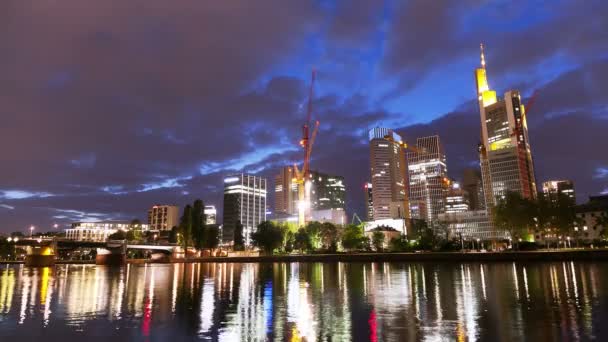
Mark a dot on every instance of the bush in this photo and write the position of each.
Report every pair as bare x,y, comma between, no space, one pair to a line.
527,246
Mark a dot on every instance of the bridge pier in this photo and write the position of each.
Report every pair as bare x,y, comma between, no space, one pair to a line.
40,256
114,254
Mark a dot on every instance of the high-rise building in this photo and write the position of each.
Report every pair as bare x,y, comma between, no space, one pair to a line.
457,199
388,174
369,202
163,217
244,202
505,155
555,188
472,184
285,192
428,179
210,214
326,191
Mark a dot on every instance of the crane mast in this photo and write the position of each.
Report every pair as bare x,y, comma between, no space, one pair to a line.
306,143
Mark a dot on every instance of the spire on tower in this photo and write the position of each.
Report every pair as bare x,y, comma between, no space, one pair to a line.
483,57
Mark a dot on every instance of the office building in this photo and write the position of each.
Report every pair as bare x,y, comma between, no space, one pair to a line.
336,216
505,154
388,175
244,202
100,231
285,192
210,214
555,188
369,202
472,184
472,224
457,199
326,191
163,217
428,181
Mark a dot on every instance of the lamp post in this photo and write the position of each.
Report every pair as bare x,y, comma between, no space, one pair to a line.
32,231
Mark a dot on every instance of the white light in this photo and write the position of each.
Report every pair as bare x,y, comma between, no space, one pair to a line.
231,179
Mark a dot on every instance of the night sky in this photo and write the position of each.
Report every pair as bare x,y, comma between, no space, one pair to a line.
108,107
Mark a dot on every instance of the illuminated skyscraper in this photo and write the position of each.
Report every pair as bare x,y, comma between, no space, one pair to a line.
244,202
285,192
505,156
388,172
428,181
369,202
210,214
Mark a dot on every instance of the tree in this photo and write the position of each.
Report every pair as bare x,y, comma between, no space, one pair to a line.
212,236
268,237
118,235
239,241
302,240
514,214
198,223
314,234
378,241
134,235
353,237
185,226
601,222
173,235
329,235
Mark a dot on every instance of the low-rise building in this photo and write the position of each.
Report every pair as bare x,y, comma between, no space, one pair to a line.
99,231
473,224
389,234
588,215
163,217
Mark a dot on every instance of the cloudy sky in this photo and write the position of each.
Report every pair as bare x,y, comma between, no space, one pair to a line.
108,107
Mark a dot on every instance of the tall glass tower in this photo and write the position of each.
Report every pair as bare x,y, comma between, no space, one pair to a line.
504,152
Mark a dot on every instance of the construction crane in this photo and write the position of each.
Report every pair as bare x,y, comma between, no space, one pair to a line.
307,142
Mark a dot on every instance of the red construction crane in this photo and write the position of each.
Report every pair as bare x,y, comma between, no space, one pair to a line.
307,143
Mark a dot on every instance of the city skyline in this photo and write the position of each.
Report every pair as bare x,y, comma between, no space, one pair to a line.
83,139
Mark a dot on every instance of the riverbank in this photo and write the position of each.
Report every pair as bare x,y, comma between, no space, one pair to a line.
525,256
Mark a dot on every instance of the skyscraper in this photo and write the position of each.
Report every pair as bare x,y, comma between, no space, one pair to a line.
369,202
388,174
457,199
210,214
554,188
326,191
244,202
285,192
505,155
428,179
472,184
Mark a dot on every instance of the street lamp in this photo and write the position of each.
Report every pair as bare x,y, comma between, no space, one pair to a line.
32,231
55,226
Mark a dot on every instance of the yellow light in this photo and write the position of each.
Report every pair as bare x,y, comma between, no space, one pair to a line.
482,81
488,97
497,145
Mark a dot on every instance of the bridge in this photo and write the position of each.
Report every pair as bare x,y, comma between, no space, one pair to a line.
43,251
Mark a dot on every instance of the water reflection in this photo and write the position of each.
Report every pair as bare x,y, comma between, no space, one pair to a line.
307,302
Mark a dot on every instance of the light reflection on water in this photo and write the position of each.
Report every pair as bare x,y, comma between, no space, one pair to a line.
308,302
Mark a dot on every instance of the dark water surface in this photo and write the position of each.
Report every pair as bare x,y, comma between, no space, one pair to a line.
306,302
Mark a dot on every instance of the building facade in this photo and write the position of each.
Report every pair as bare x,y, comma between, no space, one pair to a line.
326,191
369,201
505,153
428,178
555,188
100,231
589,214
163,217
472,224
473,185
285,192
210,214
244,203
457,199
388,175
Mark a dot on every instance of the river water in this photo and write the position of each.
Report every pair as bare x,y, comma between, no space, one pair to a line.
307,302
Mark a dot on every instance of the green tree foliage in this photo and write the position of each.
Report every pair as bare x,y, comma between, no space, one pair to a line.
302,240
185,226
268,237
212,236
239,241
353,237
198,223
313,229
134,235
329,235
119,235
378,241
515,214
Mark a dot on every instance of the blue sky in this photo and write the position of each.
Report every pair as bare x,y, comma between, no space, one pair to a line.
110,107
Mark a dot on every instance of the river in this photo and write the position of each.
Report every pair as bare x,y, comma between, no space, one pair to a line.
307,302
